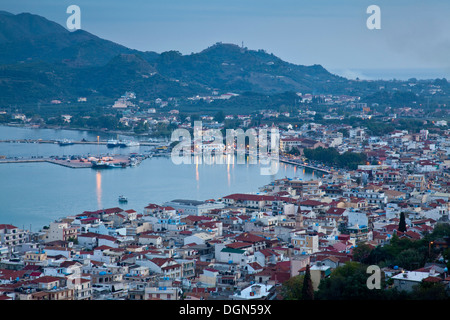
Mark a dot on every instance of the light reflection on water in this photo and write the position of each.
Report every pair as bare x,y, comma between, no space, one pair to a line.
98,177
37,193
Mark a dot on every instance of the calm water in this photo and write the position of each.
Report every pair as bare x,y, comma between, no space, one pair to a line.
27,150
34,194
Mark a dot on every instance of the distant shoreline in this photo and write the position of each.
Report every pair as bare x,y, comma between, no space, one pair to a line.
28,126
384,74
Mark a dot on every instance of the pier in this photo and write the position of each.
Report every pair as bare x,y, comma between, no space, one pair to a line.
303,165
28,160
100,142
82,162
116,160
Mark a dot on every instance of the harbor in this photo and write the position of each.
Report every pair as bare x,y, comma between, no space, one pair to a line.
98,162
26,166
118,160
97,154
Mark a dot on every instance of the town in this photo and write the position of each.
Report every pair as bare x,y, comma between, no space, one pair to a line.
208,151
373,200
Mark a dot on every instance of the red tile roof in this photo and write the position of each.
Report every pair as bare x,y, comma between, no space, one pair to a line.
432,279
249,197
7,226
46,279
238,245
335,211
248,237
310,203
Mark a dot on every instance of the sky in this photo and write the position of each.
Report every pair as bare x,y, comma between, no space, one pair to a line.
413,40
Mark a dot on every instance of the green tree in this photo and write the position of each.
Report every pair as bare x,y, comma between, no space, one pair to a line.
402,223
349,282
141,127
410,259
294,151
440,231
73,239
292,289
219,117
307,288
345,132
446,256
182,117
318,117
331,156
429,291
362,253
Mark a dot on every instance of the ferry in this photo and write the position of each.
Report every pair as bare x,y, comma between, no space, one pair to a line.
100,164
112,143
123,199
65,142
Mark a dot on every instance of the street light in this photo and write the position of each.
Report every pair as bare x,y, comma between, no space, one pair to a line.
429,247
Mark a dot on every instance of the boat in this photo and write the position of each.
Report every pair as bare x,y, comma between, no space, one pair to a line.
112,143
100,164
117,165
132,143
134,162
65,142
123,199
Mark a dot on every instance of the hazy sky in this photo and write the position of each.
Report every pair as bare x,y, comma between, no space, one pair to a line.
414,34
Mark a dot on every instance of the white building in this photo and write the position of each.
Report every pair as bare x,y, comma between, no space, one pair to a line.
254,292
405,281
198,238
194,207
60,231
305,243
11,235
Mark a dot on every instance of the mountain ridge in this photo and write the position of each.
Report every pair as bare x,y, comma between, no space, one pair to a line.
34,47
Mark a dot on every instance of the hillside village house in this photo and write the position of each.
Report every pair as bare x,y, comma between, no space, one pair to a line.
244,246
288,143
11,235
61,231
408,279
193,207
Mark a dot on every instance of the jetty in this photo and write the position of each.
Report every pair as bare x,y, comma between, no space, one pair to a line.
295,163
100,142
116,161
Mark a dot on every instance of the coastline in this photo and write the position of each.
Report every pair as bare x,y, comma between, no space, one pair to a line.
91,130
158,181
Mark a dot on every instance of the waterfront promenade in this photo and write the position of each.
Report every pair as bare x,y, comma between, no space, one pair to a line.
295,163
69,163
82,162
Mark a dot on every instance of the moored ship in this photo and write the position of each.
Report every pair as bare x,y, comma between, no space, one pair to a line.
112,143
65,142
